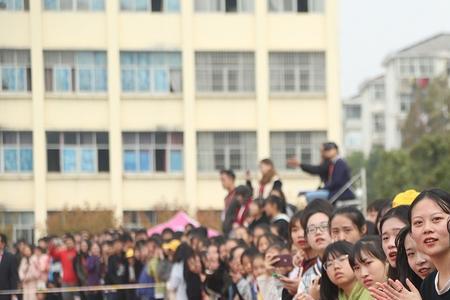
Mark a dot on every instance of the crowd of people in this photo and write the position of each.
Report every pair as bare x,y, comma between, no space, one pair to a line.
269,249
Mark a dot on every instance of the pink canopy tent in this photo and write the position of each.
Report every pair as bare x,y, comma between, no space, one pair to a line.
177,223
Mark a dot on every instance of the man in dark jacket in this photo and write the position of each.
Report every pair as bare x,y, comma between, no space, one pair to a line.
9,277
338,175
117,270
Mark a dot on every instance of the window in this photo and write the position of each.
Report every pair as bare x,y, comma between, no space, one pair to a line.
353,139
150,5
305,145
151,72
18,225
15,71
68,71
296,5
226,150
353,111
415,67
297,72
77,152
18,5
378,91
225,72
405,102
77,5
227,6
145,152
139,219
378,122
16,152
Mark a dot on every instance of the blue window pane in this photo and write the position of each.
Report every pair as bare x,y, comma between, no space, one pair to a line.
125,4
50,4
62,80
127,80
142,5
100,59
176,160
143,80
173,5
8,79
85,58
19,5
144,161
69,160
10,156
98,5
85,79
100,80
26,160
88,160
126,58
161,81
129,160
21,79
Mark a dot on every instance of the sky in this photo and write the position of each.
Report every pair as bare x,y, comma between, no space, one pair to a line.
371,29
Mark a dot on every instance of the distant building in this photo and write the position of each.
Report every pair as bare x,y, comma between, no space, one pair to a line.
385,100
411,67
135,106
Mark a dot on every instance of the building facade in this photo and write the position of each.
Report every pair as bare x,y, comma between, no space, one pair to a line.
406,70
376,115
135,106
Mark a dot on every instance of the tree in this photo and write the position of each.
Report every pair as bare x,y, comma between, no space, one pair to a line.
355,161
429,112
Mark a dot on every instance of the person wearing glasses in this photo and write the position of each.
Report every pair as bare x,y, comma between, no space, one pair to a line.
316,221
338,280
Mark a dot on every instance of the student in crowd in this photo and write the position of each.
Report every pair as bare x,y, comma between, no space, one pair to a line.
269,181
117,270
370,264
256,214
94,271
411,263
390,225
316,221
227,178
29,273
338,175
347,224
338,280
66,256
275,210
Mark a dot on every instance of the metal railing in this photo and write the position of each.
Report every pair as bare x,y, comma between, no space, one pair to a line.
358,185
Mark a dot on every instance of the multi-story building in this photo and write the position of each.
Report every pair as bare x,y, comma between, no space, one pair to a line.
385,100
407,69
135,105
364,117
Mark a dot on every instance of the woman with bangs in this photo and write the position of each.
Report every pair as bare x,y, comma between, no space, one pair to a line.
370,264
338,280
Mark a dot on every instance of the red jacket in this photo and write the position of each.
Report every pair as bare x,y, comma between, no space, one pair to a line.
66,257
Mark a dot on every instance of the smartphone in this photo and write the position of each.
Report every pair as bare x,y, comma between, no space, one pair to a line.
284,261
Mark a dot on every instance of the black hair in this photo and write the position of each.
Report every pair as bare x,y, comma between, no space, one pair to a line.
229,173
328,290
249,252
233,251
314,207
385,206
401,213
3,239
264,226
182,252
260,202
370,244
277,202
272,239
193,281
376,205
296,218
404,271
167,230
330,145
353,214
69,236
244,191
440,197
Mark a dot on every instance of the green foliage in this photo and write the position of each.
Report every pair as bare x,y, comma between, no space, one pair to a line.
355,161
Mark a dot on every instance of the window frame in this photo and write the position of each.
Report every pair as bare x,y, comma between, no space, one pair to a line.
18,147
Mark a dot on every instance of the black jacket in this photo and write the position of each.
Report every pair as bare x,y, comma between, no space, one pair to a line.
320,170
9,276
117,272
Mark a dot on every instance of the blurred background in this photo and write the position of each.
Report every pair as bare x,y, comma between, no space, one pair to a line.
124,111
